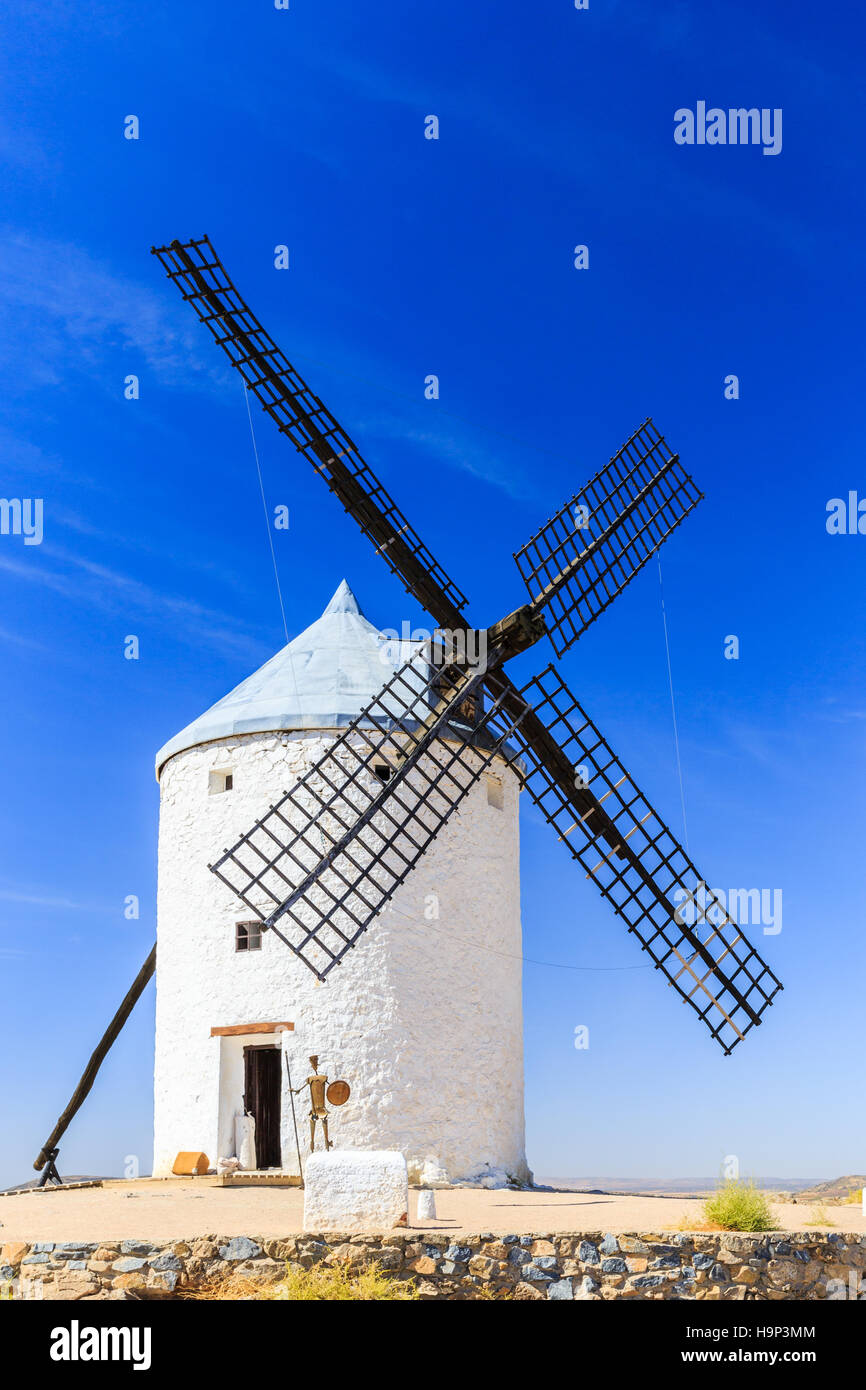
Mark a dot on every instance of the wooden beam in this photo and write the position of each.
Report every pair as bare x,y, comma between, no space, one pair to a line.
81,1091
235,1029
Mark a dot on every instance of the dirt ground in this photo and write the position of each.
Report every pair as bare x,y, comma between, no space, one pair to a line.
178,1208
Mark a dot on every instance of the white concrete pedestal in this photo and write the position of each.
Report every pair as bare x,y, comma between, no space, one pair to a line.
355,1190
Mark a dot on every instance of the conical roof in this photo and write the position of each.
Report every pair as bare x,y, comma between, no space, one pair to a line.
321,680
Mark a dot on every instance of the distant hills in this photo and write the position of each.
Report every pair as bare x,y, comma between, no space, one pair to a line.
835,1191
679,1187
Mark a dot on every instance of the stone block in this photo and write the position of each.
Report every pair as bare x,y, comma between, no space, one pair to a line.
240,1248
496,1250
560,1289
72,1287
462,1254
355,1190
13,1252
524,1292
587,1288
166,1261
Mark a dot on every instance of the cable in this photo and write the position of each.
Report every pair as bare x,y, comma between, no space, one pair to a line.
265,509
673,709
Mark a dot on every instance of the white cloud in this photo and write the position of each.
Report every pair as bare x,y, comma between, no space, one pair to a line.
71,309
84,581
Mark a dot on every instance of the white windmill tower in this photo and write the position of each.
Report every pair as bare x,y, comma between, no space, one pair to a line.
424,1020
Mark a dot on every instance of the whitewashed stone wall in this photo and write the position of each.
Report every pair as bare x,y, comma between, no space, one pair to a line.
423,1018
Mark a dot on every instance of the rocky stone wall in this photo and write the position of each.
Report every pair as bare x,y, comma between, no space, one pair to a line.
683,1265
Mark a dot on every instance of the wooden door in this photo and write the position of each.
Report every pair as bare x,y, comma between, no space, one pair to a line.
262,1087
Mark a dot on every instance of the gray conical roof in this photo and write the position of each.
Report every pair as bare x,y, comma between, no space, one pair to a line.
321,680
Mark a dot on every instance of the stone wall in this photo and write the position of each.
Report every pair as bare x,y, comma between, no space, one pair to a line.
800,1265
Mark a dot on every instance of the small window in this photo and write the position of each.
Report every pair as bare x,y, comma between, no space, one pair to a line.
383,771
220,781
248,936
495,792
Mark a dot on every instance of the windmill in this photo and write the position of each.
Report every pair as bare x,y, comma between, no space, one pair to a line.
319,865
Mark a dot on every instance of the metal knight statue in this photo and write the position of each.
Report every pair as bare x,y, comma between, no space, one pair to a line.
337,1093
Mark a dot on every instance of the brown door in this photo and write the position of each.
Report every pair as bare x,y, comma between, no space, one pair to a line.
262,1085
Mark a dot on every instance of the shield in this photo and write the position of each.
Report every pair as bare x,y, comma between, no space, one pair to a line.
338,1092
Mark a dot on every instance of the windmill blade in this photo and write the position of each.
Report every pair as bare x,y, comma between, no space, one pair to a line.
300,415
579,561
630,854
322,862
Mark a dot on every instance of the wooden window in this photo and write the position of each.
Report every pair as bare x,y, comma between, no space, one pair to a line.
248,936
220,780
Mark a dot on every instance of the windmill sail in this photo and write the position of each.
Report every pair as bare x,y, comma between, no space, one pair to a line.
196,270
579,561
640,867
329,855
323,861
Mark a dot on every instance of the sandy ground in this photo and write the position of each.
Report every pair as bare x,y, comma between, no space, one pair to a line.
178,1208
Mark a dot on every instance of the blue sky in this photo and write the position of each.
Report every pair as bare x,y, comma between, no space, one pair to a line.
453,257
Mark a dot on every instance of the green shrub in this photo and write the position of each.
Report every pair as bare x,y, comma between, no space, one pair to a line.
739,1206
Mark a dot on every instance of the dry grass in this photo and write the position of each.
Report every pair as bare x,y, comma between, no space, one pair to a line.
819,1217
321,1284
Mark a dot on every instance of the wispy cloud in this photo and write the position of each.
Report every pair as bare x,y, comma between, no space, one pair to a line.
38,900
454,448
85,581
21,641
78,309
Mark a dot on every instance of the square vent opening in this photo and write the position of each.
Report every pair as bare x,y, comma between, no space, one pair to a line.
495,792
